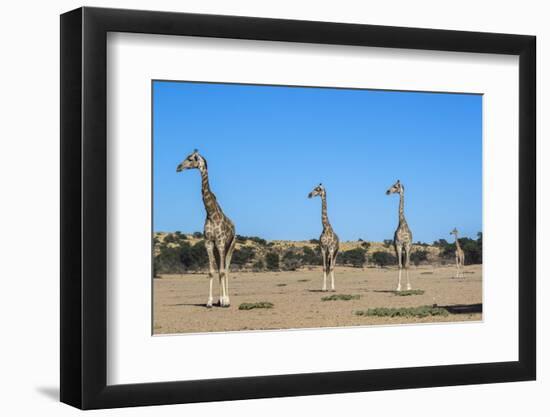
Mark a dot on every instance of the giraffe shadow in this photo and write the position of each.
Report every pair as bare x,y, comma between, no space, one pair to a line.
464,308
187,304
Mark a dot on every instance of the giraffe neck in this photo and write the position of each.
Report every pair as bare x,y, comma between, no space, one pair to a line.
208,197
324,215
402,207
457,243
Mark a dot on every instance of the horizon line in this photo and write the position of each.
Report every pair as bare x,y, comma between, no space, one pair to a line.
317,238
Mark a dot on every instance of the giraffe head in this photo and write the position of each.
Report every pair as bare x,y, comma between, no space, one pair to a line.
193,161
395,188
317,191
454,232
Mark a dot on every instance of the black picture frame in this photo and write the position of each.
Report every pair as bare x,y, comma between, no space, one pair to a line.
84,207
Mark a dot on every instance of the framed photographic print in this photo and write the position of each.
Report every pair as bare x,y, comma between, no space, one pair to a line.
258,207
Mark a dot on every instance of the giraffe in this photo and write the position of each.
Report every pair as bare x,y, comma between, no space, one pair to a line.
328,240
219,231
403,235
459,256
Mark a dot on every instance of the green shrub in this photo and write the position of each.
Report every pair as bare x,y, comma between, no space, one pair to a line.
179,259
168,261
291,264
251,306
419,256
272,261
240,239
169,238
365,245
194,257
441,243
256,239
354,257
341,297
473,249
179,235
383,258
311,257
243,256
419,243
408,292
423,311
155,269
258,265
291,260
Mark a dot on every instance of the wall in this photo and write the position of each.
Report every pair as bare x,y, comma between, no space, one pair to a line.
29,160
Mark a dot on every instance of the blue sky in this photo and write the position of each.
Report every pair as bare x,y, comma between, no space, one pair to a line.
268,146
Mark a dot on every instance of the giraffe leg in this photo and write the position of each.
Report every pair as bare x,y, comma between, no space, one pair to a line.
399,250
457,267
227,268
324,256
210,299
222,284
221,251
212,270
332,263
399,280
407,263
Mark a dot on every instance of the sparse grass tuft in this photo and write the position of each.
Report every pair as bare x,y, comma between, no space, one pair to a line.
342,297
426,273
251,306
281,285
408,292
304,280
422,311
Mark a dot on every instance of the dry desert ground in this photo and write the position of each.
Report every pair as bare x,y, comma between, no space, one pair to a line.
179,300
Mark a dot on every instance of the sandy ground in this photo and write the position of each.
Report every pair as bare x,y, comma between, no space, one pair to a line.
179,300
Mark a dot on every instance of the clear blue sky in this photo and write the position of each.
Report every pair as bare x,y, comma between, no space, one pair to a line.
268,146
